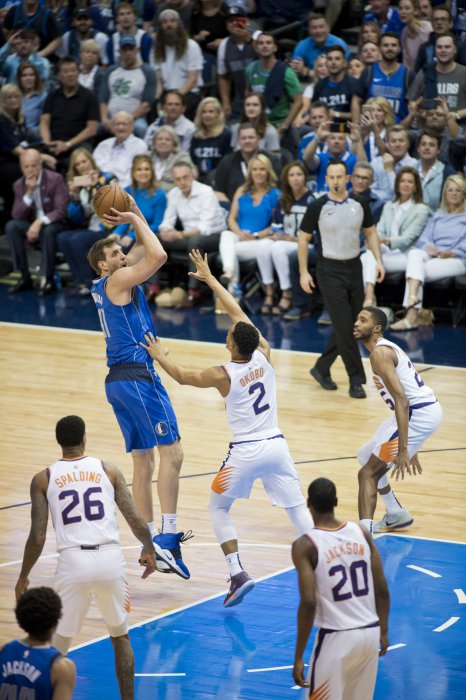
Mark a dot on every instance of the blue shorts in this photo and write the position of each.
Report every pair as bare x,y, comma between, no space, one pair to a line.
141,406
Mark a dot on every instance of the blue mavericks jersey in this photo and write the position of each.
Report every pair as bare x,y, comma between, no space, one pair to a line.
392,87
25,671
123,326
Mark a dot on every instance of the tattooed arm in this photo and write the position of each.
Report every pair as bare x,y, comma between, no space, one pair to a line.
36,540
139,527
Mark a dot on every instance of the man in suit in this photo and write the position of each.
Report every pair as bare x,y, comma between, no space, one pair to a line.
39,212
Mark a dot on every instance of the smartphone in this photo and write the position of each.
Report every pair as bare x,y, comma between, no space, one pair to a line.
428,104
339,128
241,22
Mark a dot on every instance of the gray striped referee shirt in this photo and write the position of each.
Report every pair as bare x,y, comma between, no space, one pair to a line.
337,225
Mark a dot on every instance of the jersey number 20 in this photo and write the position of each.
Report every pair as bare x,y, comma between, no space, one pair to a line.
93,509
356,568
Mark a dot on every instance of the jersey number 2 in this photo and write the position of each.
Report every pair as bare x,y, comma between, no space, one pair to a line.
93,509
258,386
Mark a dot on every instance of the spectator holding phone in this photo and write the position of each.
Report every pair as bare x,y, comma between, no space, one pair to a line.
335,137
376,118
234,53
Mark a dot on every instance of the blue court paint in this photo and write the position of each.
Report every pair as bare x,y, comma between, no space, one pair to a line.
218,649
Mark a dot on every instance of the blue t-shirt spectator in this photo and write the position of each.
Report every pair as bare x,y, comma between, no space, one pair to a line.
308,50
256,217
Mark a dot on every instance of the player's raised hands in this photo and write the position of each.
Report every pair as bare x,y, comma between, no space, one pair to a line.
203,272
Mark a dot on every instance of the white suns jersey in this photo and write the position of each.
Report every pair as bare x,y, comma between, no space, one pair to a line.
344,584
251,403
82,503
416,391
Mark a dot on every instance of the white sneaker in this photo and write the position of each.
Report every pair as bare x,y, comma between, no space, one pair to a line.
394,521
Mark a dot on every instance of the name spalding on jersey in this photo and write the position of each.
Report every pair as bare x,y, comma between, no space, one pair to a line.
355,548
77,476
20,668
252,376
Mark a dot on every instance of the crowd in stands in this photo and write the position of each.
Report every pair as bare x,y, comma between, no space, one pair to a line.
221,120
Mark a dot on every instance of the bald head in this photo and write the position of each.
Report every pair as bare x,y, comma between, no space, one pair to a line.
123,125
31,162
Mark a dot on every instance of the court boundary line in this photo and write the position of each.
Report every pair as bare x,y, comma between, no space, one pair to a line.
197,342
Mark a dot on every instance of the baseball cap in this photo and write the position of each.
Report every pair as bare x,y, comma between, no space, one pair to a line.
82,12
127,40
235,11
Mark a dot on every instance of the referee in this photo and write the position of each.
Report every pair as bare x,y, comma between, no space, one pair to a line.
336,219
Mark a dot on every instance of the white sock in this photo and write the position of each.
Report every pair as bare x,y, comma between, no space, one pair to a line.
234,563
391,503
169,523
368,524
153,529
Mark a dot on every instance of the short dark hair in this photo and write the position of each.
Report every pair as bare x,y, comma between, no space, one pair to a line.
391,35
312,16
97,252
335,47
70,431
321,105
174,92
338,162
322,495
38,611
379,316
443,35
431,134
442,8
246,337
247,125
65,61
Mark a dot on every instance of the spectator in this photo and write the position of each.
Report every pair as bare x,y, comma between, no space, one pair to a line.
416,31
173,109
338,90
38,215
286,219
254,112
319,39
126,18
337,149
116,153
184,8
318,113
387,165
208,25
71,112
362,179
211,140
450,78
425,10
167,152
249,228
432,171
376,118
33,96
234,53
231,170
355,67
370,31
91,75
440,252
129,87
369,53
441,23
178,60
388,78
151,199
201,217
401,224
14,140
34,15
320,71
82,30
277,82
83,179
24,44
387,18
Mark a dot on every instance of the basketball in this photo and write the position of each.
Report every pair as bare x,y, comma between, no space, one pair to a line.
110,196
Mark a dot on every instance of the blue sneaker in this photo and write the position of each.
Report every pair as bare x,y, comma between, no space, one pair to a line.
240,585
167,549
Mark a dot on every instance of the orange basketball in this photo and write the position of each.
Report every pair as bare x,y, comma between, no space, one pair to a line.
110,196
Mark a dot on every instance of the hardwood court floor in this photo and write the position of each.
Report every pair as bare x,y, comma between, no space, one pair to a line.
48,373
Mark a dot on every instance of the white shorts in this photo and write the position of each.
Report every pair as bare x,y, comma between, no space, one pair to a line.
269,460
344,664
82,574
384,445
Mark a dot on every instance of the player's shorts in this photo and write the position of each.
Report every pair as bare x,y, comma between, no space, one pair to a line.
269,460
141,405
344,664
424,419
82,574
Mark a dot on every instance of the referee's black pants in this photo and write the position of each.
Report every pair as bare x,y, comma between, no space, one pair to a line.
340,283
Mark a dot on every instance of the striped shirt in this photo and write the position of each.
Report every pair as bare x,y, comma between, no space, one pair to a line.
337,225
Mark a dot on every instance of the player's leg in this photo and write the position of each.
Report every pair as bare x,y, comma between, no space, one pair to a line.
325,667
361,672
368,477
124,665
143,471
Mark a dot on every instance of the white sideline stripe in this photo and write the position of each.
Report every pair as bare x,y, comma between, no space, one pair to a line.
272,668
461,595
159,675
395,646
446,624
418,537
423,571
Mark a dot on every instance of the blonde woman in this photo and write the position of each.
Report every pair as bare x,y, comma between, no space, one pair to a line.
249,234
440,252
166,152
211,140
377,117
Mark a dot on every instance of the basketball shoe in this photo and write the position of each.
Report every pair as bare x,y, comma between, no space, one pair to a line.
167,549
240,585
393,521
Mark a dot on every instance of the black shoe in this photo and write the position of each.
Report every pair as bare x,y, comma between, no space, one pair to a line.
356,391
22,285
47,287
325,382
